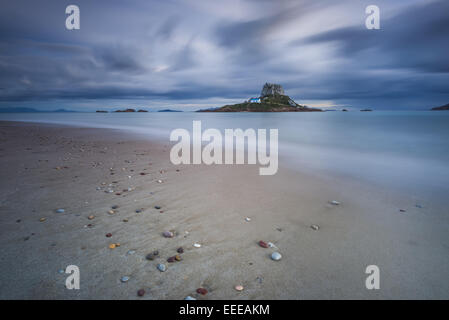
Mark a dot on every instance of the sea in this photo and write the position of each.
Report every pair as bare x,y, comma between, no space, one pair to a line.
405,151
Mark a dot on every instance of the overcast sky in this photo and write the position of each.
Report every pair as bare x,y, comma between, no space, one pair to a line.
191,54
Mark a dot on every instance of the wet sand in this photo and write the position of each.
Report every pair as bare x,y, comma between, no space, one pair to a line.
46,167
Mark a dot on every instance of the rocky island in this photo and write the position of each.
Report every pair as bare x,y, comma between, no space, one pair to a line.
445,107
272,99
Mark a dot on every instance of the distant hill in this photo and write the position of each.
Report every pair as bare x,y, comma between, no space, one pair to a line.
272,99
169,110
29,110
445,107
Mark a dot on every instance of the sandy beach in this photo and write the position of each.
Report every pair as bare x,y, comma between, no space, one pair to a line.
48,167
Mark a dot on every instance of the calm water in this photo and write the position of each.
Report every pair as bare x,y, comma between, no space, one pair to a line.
404,150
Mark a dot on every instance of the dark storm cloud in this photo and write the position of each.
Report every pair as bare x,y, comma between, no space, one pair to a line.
416,39
166,30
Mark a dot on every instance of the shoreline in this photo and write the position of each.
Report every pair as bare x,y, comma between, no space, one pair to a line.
203,204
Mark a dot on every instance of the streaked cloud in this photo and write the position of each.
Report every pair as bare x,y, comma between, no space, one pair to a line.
185,53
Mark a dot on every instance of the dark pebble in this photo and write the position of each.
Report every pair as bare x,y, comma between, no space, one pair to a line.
150,256
157,207
202,291
263,244
171,259
180,250
108,235
141,292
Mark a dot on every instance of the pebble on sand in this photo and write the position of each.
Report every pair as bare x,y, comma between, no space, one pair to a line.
114,207
159,181
91,217
238,287
197,245
108,235
180,250
263,244
315,227
141,292
335,203
189,298
202,291
112,246
124,279
271,245
168,234
60,210
111,211
150,256
161,267
157,207
42,219
247,219
276,256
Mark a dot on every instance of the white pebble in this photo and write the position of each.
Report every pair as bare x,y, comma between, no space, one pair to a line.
276,256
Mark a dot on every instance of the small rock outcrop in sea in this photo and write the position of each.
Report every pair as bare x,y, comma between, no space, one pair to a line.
445,107
126,110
